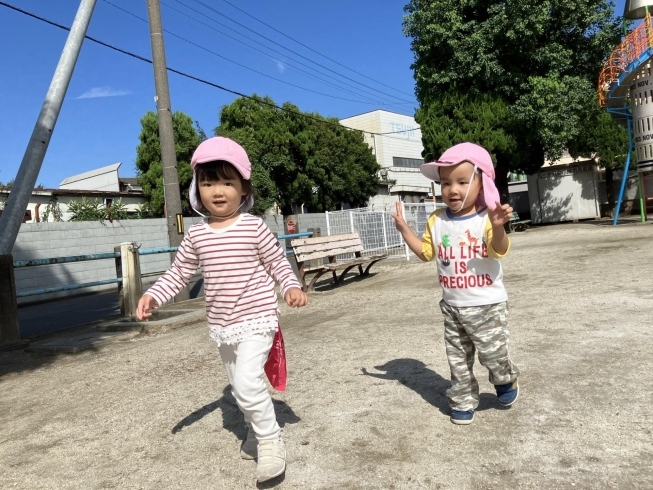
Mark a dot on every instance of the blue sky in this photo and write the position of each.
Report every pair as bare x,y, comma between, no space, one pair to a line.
110,92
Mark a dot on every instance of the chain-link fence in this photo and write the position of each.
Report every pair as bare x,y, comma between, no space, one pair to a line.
376,227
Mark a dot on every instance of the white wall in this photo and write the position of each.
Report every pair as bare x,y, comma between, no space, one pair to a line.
564,193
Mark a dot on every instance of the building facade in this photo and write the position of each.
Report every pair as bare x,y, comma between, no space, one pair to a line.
397,144
103,184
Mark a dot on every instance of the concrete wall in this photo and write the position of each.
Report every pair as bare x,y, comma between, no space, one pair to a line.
47,240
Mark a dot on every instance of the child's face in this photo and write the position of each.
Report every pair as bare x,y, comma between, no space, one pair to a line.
454,182
221,197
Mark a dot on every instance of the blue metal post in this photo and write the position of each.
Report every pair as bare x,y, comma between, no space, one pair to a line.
624,179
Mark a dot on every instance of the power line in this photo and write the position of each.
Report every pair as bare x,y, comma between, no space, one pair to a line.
245,66
311,49
274,51
371,101
198,79
294,52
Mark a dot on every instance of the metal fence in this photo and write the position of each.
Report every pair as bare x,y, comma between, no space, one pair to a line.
376,227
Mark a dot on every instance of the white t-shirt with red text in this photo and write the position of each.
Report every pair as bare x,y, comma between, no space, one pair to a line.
469,269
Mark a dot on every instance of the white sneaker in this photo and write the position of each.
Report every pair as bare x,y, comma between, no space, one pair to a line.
249,448
271,460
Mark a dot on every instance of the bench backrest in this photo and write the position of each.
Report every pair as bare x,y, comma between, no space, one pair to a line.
326,246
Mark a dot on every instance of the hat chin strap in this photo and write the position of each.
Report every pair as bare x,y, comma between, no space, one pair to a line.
469,188
232,214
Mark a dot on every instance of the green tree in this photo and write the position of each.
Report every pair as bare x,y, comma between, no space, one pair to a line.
52,209
300,160
605,142
482,118
87,210
93,210
538,60
144,211
148,159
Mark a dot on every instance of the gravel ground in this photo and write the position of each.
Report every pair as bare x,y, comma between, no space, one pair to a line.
365,406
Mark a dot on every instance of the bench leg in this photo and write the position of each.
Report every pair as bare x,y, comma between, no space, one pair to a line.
360,270
311,286
344,273
367,270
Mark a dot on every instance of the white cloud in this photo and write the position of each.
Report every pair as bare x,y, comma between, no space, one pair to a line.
281,67
96,92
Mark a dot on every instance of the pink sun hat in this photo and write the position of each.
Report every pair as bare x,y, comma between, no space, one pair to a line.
476,155
225,149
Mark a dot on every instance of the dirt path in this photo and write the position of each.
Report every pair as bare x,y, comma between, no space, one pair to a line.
365,405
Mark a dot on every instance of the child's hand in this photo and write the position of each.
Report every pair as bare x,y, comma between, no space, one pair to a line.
296,298
145,306
400,222
500,215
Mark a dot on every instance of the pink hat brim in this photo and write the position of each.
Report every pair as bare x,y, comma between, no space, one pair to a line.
488,198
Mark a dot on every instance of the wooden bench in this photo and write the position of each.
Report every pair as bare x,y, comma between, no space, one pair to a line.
518,224
328,247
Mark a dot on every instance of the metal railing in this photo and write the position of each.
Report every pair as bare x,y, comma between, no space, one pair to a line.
105,256
634,45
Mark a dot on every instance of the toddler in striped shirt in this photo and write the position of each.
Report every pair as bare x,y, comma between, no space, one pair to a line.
240,258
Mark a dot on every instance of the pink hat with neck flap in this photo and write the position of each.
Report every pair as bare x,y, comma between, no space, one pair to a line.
477,156
225,149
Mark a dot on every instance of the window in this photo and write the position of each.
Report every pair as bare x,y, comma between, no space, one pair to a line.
407,162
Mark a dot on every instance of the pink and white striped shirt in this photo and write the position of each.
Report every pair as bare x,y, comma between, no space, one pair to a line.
237,263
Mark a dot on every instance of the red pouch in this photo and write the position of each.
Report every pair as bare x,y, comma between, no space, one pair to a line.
275,366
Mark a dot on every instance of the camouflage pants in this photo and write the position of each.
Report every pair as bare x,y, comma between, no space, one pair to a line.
467,330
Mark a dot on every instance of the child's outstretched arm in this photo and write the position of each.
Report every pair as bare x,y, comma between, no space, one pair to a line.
499,216
174,280
412,240
274,260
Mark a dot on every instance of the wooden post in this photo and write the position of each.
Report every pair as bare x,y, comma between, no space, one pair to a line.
317,232
128,266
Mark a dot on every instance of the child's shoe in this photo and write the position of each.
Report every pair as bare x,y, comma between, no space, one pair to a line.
507,394
459,417
249,448
271,460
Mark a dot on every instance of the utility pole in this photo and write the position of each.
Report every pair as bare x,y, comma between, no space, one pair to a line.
171,193
30,166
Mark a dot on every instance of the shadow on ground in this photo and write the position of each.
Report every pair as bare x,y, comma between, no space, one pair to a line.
428,384
232,417
327,284
19,361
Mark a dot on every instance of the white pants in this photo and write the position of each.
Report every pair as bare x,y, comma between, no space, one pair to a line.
244,363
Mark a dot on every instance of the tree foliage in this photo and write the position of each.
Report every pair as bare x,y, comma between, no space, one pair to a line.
536,61
299,160
93,210
148,159
605,142
52,210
